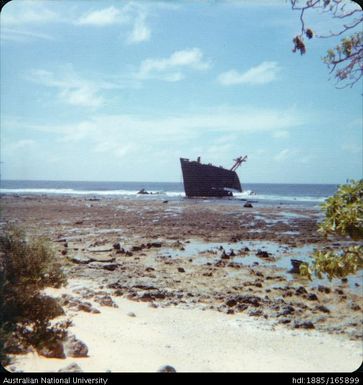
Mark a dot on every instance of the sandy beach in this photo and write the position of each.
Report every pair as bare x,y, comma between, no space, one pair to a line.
198,285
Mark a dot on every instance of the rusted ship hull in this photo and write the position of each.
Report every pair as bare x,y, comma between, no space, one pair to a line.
206,180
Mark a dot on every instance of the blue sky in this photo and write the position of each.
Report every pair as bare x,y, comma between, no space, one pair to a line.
119,91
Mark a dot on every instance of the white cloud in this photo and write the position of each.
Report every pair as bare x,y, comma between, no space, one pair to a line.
84,96
140,32
131,15
169,68
182,128
283,155
264,73
102,17
72,89
18,35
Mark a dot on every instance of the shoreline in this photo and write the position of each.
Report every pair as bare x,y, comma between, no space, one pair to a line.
135,337
189,261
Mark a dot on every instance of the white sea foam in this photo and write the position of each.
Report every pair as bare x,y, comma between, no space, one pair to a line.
248,194
46,191
281,198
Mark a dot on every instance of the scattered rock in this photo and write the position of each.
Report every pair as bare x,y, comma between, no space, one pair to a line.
80,259
304,325
75,348
52,349
324,289
256,313
105,266
248,204
71,368
284,321
231,302
323,309
287,310
313,297
301,290
131,314
167,369
181,270
105,300
143,192
153,244
295,266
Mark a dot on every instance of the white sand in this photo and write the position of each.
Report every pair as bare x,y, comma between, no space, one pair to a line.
195,340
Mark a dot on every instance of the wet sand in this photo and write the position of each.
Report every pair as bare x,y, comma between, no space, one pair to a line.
214,263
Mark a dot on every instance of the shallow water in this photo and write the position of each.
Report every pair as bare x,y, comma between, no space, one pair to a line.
201,253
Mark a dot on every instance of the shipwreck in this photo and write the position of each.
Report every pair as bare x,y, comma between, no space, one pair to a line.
207,180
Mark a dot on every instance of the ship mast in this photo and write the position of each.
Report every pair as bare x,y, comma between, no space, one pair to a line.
238,162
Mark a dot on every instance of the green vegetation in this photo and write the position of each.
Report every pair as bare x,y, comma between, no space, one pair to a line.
27,266
343,216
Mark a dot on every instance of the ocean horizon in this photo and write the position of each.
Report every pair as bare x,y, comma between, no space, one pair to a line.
298,193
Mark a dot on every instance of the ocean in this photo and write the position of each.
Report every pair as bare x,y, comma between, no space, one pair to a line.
265,193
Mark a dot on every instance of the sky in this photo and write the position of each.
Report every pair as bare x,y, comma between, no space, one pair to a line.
120,90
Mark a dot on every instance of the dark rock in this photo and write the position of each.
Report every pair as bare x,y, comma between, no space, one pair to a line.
105,300
324,289
75,348
80,259
181,270
117,246
264,255
255,313
287,310
105,266
304,325
87,307
71,368
323,309
295,266
241,307
167,369
52,349
224,255
355,307
154,244
248,204
284,321
231,302
301,290
313,297
143,192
